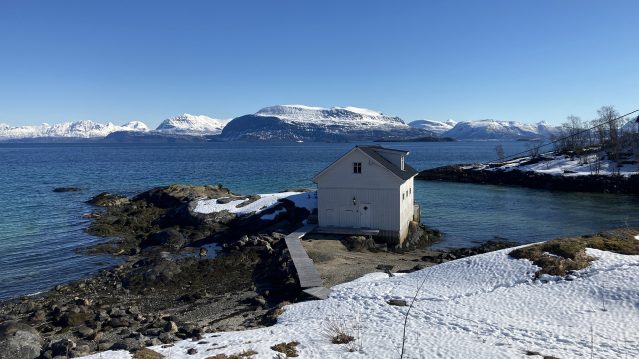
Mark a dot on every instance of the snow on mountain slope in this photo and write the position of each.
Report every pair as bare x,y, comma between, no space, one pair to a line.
191,124
346,116
78,129
436,127
299,122
500,130
485,306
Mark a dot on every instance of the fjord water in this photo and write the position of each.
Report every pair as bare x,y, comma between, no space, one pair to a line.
40,229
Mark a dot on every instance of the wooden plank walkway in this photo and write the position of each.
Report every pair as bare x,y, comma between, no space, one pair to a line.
309,277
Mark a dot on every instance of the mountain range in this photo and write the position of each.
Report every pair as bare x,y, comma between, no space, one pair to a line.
285,123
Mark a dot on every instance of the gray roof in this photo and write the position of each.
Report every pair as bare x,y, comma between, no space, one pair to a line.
372,151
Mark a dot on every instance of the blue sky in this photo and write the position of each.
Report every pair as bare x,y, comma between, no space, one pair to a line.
146,60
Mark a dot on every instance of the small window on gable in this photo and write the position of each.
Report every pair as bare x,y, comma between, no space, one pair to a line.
410,190
357,167
402,196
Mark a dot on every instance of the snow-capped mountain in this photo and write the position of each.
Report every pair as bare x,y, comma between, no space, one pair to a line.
191,125
78,129
299,122
500,130
436,127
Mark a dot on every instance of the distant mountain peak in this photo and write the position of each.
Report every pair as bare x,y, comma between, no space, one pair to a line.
77,129
191,124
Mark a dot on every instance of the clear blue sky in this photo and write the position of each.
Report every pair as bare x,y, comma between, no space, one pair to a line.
146,60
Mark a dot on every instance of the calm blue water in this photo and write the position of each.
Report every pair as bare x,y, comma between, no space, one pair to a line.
39,228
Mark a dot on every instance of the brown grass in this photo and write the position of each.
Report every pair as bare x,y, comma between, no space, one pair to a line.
561,256
336,332
145,353
289,349
240,355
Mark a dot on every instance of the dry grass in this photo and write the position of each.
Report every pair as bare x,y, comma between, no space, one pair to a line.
145,353
289,349
561,256
241,355
337,332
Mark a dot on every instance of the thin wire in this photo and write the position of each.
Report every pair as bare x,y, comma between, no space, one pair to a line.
565,137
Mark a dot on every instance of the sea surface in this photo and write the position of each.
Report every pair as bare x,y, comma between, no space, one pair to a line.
40,229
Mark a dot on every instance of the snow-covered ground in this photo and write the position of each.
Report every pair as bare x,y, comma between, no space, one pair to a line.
486,306
565,166
306,200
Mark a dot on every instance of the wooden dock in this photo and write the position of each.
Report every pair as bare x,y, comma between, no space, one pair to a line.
309,277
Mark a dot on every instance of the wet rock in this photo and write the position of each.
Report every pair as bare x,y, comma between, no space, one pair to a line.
66,189
204,252
106,199
19,340
191,351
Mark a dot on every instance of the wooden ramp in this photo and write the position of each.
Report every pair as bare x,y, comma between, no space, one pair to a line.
309,277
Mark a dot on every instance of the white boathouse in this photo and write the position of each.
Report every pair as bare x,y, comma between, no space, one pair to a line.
370,187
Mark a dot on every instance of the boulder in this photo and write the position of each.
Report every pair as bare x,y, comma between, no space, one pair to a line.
19,340
106,199
62,347
170,238
177,194
359,243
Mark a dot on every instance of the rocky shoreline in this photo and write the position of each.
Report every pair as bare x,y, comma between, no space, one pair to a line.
467,173
182,274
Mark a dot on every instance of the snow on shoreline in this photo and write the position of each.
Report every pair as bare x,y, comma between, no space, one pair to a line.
486,306
306,200
565,166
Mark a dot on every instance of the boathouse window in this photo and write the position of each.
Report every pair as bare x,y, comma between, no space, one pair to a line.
357,167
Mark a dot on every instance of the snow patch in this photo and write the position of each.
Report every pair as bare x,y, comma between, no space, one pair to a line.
306,200
485,306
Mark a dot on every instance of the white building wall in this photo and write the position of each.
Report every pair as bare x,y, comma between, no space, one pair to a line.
376,192
407,208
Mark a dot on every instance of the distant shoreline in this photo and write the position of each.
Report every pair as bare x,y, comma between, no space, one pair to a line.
584,183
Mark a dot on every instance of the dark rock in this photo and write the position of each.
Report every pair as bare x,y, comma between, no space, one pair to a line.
127,344
359,243
62,347
85,332
19,340
397,302
67,189
72,319
204,252
170,327
191,351
170,238
106,199
176,194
